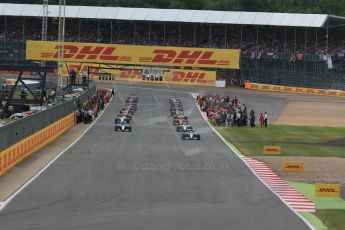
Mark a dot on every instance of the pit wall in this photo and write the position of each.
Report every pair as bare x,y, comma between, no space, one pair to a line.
291,89
18,130
26,147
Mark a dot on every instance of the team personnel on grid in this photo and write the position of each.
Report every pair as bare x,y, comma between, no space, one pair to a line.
265,119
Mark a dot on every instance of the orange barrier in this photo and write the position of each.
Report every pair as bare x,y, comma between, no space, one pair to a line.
291,89
135,55
18,152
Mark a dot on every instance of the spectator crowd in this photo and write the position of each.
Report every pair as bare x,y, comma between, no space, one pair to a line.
229,111
255,42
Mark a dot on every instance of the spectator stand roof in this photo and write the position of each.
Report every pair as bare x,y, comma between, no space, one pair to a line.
174,15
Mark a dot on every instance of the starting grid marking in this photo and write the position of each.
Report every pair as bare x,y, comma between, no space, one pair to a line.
291,196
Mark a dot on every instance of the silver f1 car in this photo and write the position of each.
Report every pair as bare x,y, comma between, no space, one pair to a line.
123,128
190,135
184,128
122,120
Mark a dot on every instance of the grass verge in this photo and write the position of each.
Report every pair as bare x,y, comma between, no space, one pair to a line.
332,218
329,210
321,202
294,140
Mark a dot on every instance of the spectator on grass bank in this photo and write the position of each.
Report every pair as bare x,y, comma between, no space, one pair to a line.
252,118
261,119
235,101
265,119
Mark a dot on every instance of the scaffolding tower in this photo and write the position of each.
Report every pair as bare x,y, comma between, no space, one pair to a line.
61,39
44,24
45,20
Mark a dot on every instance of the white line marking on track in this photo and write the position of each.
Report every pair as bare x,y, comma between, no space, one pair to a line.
11,197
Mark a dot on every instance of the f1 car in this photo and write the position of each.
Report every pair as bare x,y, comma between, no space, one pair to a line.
123,127
125,114
175,105
180,116
191,135
122,119
128,110
174,99
131,106
175,112
132,98
184,128
180,121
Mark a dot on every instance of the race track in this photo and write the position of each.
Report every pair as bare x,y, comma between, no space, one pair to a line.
148,179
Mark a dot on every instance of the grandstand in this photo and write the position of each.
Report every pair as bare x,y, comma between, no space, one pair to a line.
276,48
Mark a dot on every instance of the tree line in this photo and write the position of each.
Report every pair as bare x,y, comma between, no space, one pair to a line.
335,7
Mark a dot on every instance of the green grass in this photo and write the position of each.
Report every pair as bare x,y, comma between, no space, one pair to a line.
330,210
332,218
294,140
314,220
321,202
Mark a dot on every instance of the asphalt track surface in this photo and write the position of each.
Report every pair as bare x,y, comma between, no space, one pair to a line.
148,179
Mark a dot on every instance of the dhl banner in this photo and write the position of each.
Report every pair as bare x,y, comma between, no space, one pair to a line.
327,190
183,77
190,77
272,150
293,166
135,55
17,152
291,89
96,69
130,75
170,76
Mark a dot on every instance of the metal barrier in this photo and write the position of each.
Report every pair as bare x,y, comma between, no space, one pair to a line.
16,131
